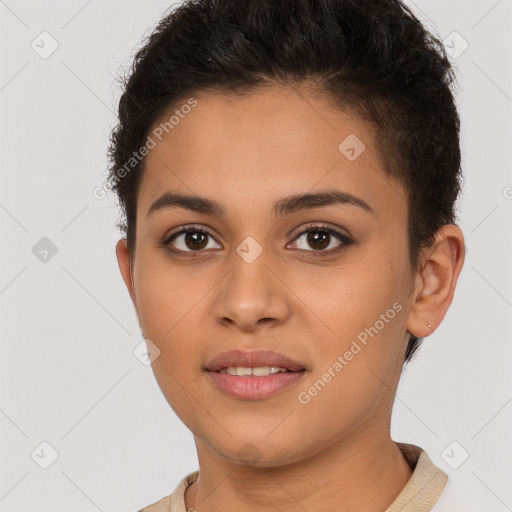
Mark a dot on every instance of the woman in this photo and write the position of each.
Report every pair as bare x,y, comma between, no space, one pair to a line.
287,172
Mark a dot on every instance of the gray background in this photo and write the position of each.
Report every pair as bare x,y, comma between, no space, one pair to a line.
68,329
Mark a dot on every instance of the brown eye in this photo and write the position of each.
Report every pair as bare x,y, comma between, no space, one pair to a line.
321,239
318,239
190,240
195,240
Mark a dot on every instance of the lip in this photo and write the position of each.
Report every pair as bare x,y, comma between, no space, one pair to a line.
252,387
252,359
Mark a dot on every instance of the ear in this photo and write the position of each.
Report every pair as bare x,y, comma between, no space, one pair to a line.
435,283
123,259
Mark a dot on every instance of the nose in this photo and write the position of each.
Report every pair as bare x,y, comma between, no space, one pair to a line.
252,296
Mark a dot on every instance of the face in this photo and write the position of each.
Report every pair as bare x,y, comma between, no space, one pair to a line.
324,282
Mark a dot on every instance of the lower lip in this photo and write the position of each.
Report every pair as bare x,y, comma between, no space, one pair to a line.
254,388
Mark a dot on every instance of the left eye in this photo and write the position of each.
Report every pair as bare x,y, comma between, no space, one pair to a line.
320,238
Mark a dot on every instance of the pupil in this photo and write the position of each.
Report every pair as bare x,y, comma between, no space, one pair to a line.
313,239
191,238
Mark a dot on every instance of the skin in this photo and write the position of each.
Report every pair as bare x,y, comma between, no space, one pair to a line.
335,452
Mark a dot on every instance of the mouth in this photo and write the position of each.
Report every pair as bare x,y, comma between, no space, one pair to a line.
259,371
243,360
253,375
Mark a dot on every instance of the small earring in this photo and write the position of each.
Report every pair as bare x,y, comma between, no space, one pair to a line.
428,325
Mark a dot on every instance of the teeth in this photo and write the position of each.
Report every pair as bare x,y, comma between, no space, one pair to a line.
260,371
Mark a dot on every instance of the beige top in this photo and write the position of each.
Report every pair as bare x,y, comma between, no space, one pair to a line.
420,494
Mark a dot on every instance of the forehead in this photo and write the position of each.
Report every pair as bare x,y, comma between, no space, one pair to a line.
271,143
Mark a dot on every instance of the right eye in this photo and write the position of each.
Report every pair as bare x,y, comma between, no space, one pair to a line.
189,240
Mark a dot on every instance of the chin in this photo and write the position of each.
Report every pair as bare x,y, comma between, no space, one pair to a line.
261,450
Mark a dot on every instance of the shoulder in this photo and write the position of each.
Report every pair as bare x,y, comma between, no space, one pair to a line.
164,505
175,502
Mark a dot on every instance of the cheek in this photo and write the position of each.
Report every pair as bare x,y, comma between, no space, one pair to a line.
164,294
342,301
354,368
171,316
358,316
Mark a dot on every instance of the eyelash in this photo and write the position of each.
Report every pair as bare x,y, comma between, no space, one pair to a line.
345,240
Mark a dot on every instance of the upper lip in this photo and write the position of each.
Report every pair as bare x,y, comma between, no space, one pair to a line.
252,359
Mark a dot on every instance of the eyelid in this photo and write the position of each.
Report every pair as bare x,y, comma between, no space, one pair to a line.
188,227
320,226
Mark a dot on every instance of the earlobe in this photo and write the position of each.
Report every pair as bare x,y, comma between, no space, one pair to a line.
435,283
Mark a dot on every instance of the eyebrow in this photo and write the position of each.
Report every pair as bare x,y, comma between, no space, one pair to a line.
285,206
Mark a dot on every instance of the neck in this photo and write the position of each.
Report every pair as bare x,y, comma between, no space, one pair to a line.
366,472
